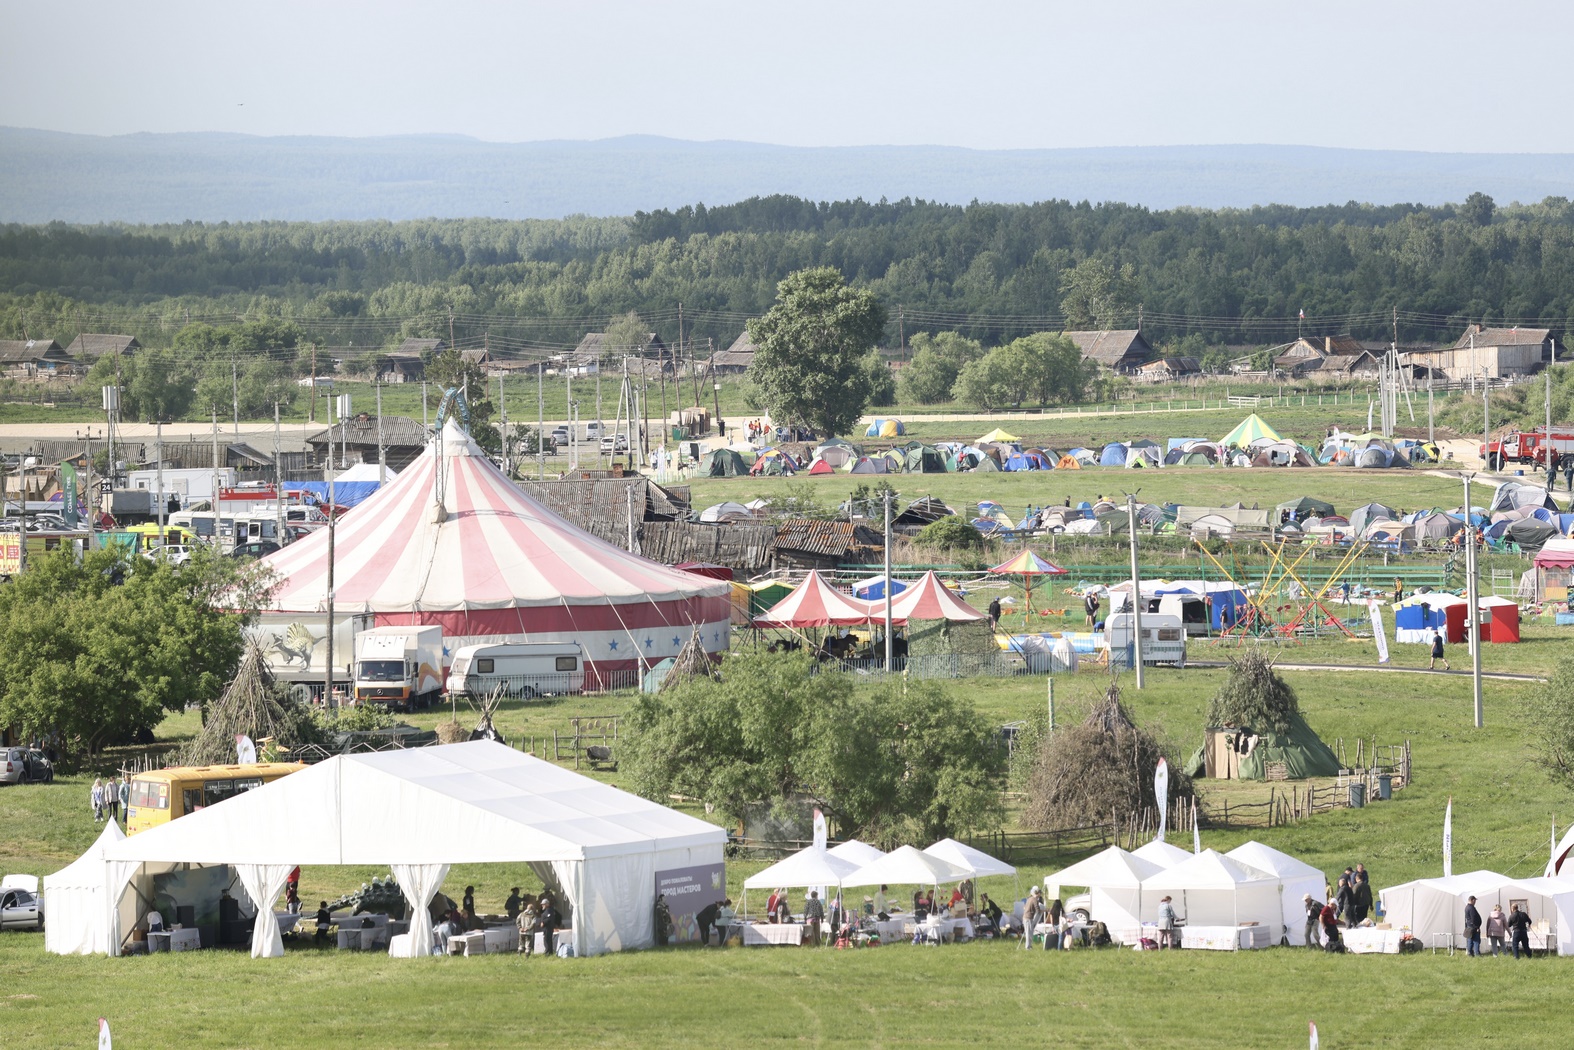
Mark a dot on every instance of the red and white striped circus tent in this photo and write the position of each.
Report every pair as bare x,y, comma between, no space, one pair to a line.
464,548
815,603
929,599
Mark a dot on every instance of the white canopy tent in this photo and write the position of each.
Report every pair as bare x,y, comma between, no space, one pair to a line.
906,866
808,867
419,811
860,853
979,863
1296,879
1435,908
77,905
1162,853
1214,890
1114,880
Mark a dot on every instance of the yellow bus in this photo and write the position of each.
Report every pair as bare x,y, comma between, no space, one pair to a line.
161,795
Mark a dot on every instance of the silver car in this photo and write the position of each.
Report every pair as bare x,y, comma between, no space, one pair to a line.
21,910
23,765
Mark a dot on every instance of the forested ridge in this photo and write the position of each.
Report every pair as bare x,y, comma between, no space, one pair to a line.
990,271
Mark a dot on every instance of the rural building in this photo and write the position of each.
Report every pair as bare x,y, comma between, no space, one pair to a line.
1493,352
1340,355
1168,369
594,349
736,359
1122,350
33,357
408,363
404,438
90,346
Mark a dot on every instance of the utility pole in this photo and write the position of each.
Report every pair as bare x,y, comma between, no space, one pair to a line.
158,450
382,451
235,394
424,421
1136,588
502,401
1486,418
541,423
1546,442
216,503
888,645
1473,596
311,414
1431,431
278,482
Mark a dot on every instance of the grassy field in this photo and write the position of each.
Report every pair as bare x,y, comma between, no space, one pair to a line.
977,994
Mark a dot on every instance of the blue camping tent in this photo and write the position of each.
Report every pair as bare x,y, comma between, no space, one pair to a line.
1114,455
1223,599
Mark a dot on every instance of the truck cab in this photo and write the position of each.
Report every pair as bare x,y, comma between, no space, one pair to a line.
398,667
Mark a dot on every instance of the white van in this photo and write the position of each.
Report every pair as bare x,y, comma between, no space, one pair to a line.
1163,639
522,669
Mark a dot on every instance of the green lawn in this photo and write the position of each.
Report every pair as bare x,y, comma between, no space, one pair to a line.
974,994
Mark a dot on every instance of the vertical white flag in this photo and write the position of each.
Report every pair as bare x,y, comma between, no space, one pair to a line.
819,831
245,750
1161,794
1448,840
1313,1026
1560,851
103,1034
1196,833
1375,607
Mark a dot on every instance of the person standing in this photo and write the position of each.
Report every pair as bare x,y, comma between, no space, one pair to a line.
512,904
783,913
1399,590
1568,472
125,798
770,905
324,921
1362,898
1344,901
663,919
1497,929
112,800
1090,605
705,918
550,918
1344,592
96,797
1472,929
1437,652
1519,931
994,613
1330,920
292,898
1166,924
530,922
1314,913
468,907
1032,915
813,915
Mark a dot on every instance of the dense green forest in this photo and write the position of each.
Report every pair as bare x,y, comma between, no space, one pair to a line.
991,272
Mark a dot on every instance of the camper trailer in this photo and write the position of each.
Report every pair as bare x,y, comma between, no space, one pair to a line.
1163,639
521,669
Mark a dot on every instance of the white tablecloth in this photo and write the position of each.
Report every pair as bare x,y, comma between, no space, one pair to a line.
287,921
1225,938
893,930
502,939
773,933
1364,940
562,936
187,940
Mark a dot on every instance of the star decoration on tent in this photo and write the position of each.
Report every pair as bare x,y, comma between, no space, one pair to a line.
676,640
613,645
649,643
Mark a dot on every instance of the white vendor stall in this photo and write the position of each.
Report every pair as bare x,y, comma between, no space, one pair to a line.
1114,881
1296,877
1212,890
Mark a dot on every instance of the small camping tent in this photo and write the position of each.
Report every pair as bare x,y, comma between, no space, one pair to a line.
1114,455
723,463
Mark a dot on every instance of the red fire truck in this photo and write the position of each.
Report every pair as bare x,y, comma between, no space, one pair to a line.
1529,446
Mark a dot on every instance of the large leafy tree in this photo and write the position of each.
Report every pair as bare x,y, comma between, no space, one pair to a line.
930,376
101,647
1097,295
893,765
810,348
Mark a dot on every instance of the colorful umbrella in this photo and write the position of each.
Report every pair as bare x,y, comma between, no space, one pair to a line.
1027,565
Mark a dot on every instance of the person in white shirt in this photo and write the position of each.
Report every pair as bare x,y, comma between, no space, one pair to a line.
881,912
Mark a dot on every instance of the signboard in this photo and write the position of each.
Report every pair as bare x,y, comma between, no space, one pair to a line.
688,891
10,553
68,494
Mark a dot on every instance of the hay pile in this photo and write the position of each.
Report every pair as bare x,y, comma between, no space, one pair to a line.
1097,772
250,705
1254,696
691,662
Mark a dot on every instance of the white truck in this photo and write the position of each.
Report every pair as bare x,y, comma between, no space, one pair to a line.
399,667
1163,639
521,669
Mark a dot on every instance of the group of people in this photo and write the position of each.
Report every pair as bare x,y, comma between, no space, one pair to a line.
533,915
109,800
1515,925
1344,907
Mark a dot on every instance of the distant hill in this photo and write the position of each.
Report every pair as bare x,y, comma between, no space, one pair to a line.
48,175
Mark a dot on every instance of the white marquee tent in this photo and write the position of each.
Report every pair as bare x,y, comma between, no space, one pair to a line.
962,855
419,811
1211,889
1162,853
906,866
76,901
1296,878
860,853
1435,908
810,866
1114,880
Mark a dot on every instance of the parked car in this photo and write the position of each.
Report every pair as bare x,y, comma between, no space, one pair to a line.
254,549
174,553
20,909
25,765
560,437
614,443
592,430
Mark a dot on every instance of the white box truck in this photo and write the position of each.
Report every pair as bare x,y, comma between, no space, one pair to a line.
399,667
521,669
1163,639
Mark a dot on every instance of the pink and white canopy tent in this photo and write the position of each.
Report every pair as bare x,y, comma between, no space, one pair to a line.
929,599
453,542
815,603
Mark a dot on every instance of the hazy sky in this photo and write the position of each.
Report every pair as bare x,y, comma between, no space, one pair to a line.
1441,75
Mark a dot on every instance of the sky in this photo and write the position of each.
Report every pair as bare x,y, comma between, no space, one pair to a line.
1444,76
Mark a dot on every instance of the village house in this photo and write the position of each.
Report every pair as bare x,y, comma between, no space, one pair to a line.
1122,350
1492,352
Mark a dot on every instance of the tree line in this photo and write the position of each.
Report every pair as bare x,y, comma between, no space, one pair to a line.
990,272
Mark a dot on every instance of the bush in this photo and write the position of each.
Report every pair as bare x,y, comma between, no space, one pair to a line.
952,533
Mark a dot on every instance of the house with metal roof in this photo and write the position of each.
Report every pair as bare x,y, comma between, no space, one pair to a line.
1491,352
736,359
1342,355
90,346
30,357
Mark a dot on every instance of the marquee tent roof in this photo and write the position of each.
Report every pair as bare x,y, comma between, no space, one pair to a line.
815,603
1250,429
859,853
472,803
808,867
1555,553
998,435
929,599
1161,853
1113,867
907,866
489,546
962,855
77,908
